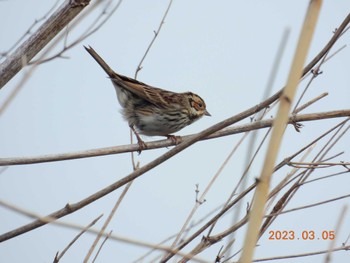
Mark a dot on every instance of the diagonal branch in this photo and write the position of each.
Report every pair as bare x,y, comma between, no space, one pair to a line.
185,144
53,25
71,208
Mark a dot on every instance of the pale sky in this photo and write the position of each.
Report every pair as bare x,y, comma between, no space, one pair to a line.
221,50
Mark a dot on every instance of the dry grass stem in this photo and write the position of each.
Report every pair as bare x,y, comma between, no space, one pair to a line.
287,96
140,259
108,220
102,244
93,231
59,256
250,157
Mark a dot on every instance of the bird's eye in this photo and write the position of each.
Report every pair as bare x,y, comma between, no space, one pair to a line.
200,105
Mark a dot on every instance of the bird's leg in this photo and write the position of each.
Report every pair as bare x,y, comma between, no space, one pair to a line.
141,143
297,125
175,139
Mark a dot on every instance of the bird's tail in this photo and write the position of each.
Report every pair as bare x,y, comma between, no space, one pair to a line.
102,63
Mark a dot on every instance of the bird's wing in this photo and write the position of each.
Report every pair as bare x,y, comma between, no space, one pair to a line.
151,94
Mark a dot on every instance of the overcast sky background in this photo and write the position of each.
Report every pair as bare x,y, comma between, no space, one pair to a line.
221,50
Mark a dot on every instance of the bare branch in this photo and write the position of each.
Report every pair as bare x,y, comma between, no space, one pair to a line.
93,231
302,107
94,26
317,164
166,143
329,45
209,223
345,248
309,206
108,220
140,259
185,144
139,66
30,28
201,199
59,256
207,241
53,25
284,200
100,248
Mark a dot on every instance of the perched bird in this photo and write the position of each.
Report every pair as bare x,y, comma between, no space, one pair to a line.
152,111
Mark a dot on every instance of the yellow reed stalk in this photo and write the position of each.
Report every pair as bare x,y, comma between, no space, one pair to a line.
279,126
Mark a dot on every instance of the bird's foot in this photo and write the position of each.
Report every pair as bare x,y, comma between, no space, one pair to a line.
175,139
140,142
142,145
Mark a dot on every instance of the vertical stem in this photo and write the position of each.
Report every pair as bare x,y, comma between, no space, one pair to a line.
279,126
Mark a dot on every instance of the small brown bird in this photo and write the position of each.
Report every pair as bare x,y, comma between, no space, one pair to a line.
153,111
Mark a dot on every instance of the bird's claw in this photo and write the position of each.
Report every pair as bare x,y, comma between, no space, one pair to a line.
175,139
142,146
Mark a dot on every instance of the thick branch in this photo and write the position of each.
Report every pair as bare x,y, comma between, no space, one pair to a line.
53,25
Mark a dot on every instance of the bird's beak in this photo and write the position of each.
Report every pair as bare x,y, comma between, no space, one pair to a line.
207,113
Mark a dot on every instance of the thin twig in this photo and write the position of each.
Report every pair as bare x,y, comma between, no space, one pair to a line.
210,240
94,27
309,206
316,72
100,248
284,200
59,256
346,240
211,221
324,177
30,28
43,54
202,197
234,192
93,231
336,232
316,164
139,67
307,104
108,220
140,259
308,254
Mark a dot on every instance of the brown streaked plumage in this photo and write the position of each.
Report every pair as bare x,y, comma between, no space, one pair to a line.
153,111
